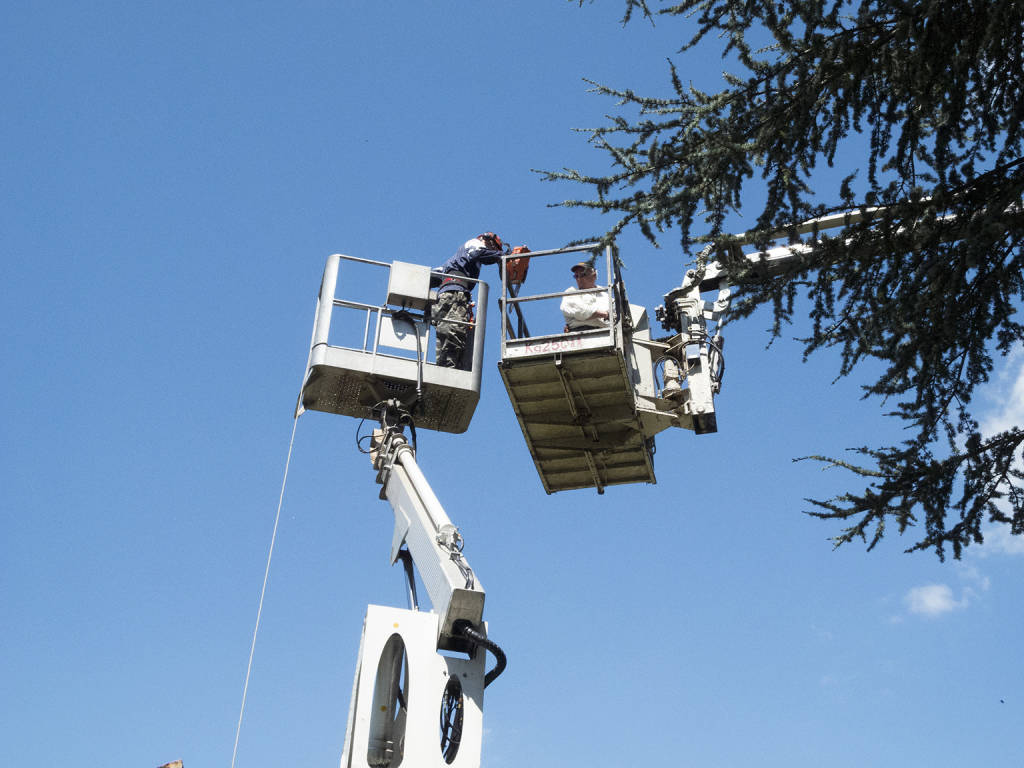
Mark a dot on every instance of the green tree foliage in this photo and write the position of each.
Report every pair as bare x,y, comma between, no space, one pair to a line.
919,104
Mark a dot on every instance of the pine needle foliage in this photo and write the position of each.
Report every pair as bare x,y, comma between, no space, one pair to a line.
919,103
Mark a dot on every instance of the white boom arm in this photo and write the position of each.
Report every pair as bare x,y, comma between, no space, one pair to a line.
422,525
402,682
693,354
773,259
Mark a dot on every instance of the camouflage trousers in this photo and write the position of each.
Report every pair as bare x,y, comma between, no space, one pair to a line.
453,337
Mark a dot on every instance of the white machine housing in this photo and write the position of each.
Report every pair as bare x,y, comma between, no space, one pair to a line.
401,685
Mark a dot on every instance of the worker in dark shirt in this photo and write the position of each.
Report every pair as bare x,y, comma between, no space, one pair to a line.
453,310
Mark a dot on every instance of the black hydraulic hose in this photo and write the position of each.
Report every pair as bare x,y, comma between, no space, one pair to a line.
500,660
407,317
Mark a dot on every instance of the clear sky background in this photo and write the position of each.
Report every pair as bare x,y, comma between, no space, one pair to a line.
173,177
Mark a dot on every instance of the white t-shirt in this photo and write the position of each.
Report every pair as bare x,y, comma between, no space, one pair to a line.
579,308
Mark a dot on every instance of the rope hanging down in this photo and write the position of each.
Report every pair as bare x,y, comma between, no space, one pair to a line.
263,591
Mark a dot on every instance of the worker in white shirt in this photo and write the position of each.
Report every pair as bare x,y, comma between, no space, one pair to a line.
584,310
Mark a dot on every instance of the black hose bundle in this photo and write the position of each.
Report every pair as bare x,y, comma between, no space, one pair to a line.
500,660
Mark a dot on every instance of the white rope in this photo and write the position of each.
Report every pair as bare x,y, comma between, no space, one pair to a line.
263,592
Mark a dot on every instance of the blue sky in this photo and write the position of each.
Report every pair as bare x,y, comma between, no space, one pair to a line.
175,175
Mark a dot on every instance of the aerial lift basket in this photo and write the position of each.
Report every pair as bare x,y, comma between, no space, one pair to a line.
574,394
394,359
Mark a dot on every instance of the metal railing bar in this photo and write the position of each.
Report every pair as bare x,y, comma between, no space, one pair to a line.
557,294
552,251
366,261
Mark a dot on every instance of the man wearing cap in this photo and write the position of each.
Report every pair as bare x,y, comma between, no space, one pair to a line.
584,310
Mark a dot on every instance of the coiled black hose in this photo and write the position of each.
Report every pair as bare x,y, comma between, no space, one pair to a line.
500,660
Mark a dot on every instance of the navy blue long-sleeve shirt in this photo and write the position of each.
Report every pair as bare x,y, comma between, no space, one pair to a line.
467,262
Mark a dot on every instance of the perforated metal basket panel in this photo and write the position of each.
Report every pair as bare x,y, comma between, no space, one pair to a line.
351,383
578,416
